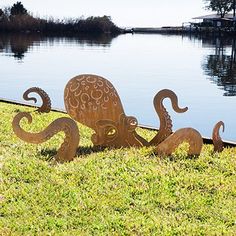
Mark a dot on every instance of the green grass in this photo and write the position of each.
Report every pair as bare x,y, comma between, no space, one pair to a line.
126,191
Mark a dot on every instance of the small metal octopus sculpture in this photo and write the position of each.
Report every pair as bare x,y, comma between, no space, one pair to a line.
93,101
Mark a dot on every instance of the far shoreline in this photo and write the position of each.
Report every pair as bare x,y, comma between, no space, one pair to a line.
210,31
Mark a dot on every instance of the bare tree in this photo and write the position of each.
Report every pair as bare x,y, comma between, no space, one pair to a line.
222,7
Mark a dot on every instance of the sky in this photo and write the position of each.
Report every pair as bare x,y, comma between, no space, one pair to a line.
124,13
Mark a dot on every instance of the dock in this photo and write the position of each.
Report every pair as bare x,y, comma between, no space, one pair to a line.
164,29
182,30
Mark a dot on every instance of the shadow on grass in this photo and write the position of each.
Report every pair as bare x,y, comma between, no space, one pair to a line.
174,158
84,151
81,151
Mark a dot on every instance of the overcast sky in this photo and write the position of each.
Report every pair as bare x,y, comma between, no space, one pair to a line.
124,13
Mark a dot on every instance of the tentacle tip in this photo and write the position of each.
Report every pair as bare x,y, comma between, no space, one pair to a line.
223,126
185,109
29,118
32,99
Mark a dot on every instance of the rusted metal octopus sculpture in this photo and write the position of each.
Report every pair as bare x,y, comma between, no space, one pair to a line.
217,141
46,105
93,101
67,150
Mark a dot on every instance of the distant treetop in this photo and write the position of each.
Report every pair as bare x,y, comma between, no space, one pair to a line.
18,9
17,19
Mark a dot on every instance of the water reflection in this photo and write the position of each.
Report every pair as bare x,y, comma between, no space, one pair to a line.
17,45
220,65
138,65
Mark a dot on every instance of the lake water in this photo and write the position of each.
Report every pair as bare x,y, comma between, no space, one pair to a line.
201,71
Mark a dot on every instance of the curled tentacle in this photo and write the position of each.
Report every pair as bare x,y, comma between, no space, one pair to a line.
217,141
46,106
189,135
165,129
67,150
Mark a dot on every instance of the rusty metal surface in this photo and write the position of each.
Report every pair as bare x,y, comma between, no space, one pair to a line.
67,150
93,101
217,141
46,101
165,129
189,135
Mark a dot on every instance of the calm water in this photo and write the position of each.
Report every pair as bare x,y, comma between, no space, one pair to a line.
201,71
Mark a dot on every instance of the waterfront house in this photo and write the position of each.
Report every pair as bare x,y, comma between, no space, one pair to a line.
214,20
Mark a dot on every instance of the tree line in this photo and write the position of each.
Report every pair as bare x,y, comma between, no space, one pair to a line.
17,19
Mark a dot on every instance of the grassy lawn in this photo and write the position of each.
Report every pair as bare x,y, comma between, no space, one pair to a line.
111,192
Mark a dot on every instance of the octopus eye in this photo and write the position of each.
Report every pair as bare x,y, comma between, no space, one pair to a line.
133,122
111,132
